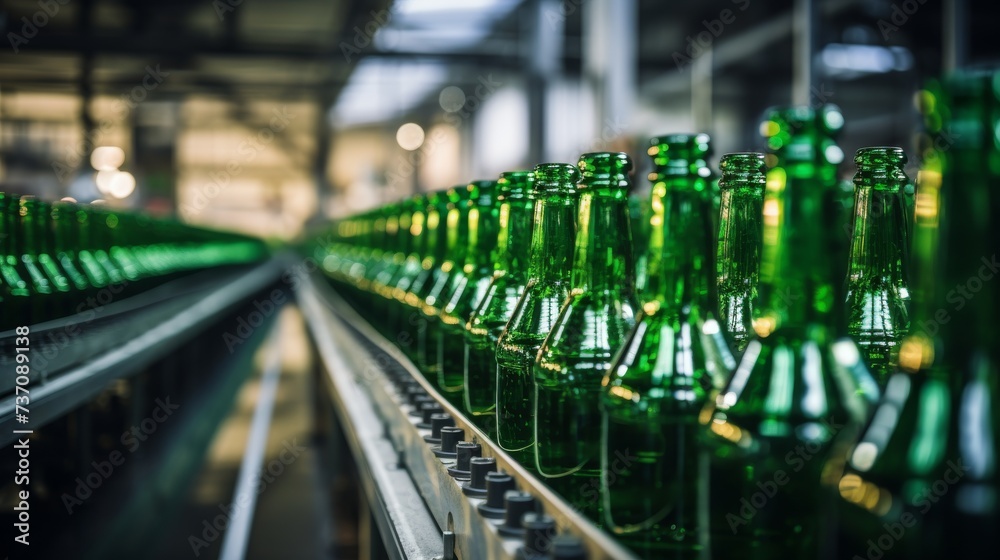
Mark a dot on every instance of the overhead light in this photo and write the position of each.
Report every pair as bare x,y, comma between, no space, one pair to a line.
122,184
452,99
851,59
415,7
410,136
382,90
106,158
103,180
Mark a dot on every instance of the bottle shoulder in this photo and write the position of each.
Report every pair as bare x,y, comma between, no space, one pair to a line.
589,329
792,384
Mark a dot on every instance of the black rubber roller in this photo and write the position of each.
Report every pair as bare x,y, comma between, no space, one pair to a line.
438,421
497,484
568,547
412,392
539,529
450,436
464,452
426,411
517,505
418,402
479,467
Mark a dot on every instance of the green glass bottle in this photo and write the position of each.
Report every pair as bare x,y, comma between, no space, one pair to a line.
591,326
371,254
448,253
877,288
639,215
664,374
679,162
101,224
433,243
800,132
516,196
385,282
382,263
33,253
791,399
64,238
15,296
87,244
119,253
411,248
468,286
921,481
739,241
548,286
405,320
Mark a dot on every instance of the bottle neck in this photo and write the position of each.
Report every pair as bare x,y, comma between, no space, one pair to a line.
513,248
29,235
417,238
878,252
456,235
390,239
483,231
62,235
433,237
7,221
795,283
681,260
739,238
552,240
603,253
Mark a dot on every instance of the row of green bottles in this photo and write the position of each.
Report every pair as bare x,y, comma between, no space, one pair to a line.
56,255
516,195
922,480
584,387
797,393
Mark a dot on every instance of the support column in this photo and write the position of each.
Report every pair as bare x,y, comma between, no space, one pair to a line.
610,60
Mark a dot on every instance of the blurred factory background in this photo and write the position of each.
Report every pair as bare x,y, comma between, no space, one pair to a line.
264,116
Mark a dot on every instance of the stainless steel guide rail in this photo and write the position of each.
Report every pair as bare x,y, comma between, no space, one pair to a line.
356,358
127,336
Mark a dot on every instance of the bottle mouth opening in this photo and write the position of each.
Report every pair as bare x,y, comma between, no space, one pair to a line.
680,139
880,155
680,154
742,169
556,178
515,185
605,170
482,193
